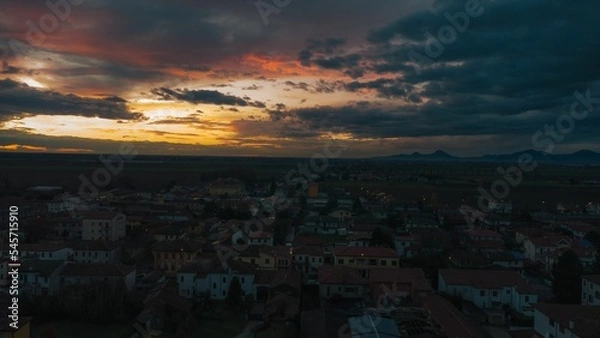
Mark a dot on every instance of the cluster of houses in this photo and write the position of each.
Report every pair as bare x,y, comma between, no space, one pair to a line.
172,248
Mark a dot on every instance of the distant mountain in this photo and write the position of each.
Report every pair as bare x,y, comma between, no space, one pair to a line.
580,157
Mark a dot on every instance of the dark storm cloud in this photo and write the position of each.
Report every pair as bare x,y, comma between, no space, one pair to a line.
18,100
205,97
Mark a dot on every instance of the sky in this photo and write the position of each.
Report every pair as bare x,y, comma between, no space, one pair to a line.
284,77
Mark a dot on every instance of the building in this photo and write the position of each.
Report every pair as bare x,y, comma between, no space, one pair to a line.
84,274
590,290
105,225
535,246
453,323
336,281
260,238
96,251
307,259
489,289
566,320
364,258
261,255
211,278
390,286
40,277
46,251
170,256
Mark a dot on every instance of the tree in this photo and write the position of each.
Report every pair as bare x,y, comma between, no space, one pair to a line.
566,274
594,238
380,238
357,207
234,294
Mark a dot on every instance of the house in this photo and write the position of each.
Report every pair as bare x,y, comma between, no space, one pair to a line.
566,320
45,251
105,225
365,257
453,323
500,207
489,289
283,302
389,286
522,234
358,240
65,227
579,229
592,209
590,290
326,225
507,259
403,243
83,273
214,279
168,233
40,277
261,255
307,259
271,282
534,246
422,221
464,259
340,214
171,255
337,281
95,251
260,238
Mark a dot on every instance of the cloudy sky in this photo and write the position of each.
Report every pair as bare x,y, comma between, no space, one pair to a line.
281,77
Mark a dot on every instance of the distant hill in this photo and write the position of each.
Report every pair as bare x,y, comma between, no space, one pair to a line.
579,157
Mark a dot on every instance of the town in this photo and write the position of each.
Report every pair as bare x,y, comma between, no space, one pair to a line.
340,258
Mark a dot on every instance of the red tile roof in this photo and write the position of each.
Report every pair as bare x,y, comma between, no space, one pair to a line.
453,322
486,279
309,250
548,241
101,215
41,247
337,274
415,277
97,270
368,251
585,319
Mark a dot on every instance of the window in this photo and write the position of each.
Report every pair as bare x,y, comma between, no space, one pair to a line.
383,262
243,280
340,261
181,279
551,322
526,299
394,262
43,254
495,293
224,279
267,261
214,285
50,254
482,293
223,292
